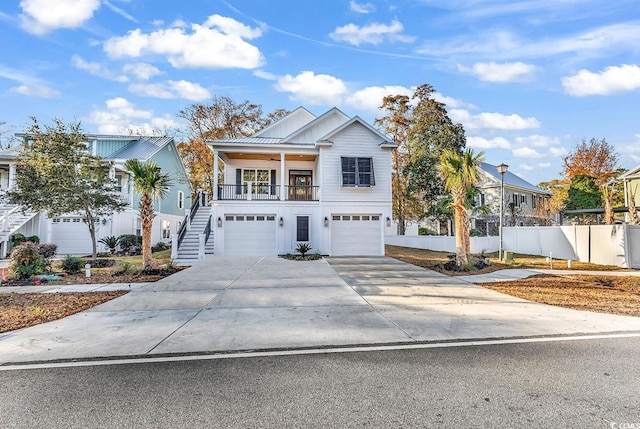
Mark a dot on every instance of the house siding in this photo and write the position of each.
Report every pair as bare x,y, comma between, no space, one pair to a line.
355,141
168,161
105,148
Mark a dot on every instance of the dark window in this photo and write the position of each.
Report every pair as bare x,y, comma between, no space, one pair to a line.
302,228
357,172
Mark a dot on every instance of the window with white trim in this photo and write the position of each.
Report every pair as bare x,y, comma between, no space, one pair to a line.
166,229
357,172
260,180
180,199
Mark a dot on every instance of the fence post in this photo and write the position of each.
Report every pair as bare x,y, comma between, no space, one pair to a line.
174,246
201,247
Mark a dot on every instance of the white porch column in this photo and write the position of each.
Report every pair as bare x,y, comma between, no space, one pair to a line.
215,174
282,179
12,175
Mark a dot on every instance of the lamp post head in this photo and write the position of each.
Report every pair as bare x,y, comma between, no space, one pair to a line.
502,168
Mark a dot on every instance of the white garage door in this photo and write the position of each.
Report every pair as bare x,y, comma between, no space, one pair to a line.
250,235
71,235
355,235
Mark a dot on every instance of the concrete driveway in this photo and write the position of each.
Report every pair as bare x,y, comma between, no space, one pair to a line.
253,303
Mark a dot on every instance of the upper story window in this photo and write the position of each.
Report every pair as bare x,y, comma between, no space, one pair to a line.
357,172
180,199
260,180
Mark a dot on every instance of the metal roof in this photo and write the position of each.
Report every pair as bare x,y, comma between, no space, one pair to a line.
511,179
143,148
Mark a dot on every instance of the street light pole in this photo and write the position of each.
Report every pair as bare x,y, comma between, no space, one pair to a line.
502,168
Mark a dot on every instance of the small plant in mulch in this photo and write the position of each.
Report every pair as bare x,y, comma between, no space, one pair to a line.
475,263
307,257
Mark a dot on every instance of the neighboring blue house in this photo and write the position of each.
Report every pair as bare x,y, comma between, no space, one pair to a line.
69,231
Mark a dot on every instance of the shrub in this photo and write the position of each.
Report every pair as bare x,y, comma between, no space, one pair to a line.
72,264
126,267
17,238
303,248
47,250
476,233
26,261
33,239
131,243
111,242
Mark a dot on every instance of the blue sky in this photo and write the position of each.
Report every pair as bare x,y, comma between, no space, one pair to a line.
527,79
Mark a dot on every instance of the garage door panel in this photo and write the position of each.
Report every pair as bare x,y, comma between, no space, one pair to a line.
250,235
355,235
71,235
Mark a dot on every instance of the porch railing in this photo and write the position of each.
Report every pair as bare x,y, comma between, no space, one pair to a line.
268,192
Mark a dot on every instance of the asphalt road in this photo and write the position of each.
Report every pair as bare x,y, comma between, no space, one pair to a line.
566,384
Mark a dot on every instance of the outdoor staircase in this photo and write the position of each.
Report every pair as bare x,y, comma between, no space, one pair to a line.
11,219
196,225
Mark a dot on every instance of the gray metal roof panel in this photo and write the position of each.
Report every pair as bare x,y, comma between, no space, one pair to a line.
511,179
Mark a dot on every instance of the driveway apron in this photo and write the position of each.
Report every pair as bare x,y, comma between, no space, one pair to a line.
255,303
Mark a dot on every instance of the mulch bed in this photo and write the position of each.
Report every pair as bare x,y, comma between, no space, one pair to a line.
20,310
602,294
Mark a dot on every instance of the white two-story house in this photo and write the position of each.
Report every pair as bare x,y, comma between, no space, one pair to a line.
324,181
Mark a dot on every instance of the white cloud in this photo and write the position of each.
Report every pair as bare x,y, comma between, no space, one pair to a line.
218,43
171,89
452,102
526,152
505,72
361,7
265,75
44,16
374,33
312,88
38,91
504,44
141,71
121,115
475,142
557,151
537,140
96,69
370,98
29,86
492,120
611,80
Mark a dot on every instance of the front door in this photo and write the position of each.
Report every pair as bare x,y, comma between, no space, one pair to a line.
300,185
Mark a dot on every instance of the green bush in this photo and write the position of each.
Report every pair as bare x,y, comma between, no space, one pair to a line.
72,264
33,239
130,243
111,242
17,238
423,231
26,261
476,233
162,245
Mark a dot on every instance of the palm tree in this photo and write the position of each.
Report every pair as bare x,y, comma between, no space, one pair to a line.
151,183
459,171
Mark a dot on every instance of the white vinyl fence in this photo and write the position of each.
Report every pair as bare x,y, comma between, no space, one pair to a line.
599,244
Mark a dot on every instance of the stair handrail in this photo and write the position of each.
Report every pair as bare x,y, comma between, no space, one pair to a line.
4,218
207,230
196,202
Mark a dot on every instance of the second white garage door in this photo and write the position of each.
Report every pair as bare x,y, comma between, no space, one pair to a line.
250,235
355,235
72,236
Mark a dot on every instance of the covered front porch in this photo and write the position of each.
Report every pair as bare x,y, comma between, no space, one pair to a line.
266,176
